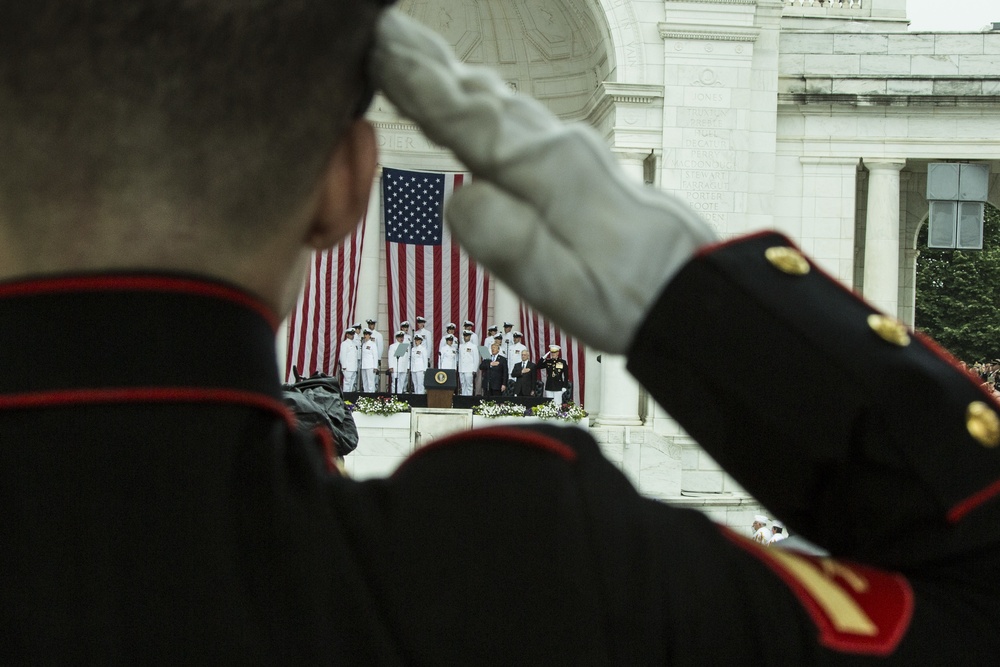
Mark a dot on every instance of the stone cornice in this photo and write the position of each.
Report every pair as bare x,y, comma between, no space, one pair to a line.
404,126
708,32
825,160
631,93
609,94
713,2
849,100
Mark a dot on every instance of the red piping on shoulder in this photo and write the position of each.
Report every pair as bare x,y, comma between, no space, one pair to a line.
856,609
130,283
508,436
65,397
958,512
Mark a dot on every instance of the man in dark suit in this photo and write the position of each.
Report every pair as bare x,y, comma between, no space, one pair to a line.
523,375
494,370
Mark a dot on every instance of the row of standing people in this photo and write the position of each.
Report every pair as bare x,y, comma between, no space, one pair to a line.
508,365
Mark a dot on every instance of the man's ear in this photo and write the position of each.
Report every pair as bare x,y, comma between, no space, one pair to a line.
344,187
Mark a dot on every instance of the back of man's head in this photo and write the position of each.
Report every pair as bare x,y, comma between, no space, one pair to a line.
119,117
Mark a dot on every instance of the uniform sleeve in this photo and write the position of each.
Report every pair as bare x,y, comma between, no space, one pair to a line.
863,435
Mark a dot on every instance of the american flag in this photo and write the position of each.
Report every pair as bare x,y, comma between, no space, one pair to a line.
539,333
427,274
326,307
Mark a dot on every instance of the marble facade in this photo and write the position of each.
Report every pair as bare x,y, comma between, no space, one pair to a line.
816,120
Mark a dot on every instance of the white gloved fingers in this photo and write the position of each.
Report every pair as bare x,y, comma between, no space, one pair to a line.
507,237
492,226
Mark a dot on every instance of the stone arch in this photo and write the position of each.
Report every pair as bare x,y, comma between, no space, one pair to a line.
558,51
626,45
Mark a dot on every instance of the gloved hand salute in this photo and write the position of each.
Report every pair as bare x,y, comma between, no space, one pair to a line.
550,212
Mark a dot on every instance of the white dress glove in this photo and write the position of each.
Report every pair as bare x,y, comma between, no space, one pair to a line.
550,213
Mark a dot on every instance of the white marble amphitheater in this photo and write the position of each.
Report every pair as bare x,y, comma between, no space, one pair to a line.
814,118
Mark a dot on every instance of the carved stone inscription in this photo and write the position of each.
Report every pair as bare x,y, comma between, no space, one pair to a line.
706,159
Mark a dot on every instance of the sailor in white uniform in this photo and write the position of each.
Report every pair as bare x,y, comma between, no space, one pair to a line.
399,367
448,355
419,363
468,363
350,358
369,362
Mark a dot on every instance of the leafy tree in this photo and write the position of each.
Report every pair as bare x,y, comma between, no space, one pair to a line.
958,295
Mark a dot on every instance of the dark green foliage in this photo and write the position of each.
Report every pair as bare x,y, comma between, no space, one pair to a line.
958,295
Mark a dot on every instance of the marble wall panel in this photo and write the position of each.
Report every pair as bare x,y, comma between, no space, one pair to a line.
885,65
859,87
840,65
958,87
909,86
911,44
936,65
979,65
952,44
860,43
806,43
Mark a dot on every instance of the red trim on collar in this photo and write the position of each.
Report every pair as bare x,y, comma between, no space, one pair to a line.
137,283
64,397
506,436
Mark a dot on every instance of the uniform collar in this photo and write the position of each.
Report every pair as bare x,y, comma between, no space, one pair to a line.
135,337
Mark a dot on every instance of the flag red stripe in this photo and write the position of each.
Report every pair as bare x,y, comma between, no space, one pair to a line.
418,282
438,310
457,316
333,330
292,337
327,303
402,284
311,361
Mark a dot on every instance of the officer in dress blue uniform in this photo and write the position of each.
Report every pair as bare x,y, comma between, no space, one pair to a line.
160,506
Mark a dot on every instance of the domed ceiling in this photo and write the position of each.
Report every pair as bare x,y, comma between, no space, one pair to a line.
554,50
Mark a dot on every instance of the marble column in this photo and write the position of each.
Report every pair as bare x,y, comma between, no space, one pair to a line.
370,270
881,278
619,391
281,347
619,394
506,308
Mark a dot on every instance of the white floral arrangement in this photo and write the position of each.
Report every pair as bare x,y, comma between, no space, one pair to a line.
379,406
493,410
569,412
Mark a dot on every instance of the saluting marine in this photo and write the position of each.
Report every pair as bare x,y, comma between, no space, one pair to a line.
556,374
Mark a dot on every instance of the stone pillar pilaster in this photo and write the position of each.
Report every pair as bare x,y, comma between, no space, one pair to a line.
619,391
881,278
506,307
370,271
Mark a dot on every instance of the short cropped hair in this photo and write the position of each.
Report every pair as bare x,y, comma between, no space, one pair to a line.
225,109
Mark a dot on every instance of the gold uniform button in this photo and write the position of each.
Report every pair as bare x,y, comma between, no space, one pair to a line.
889,329
787,260
983,424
